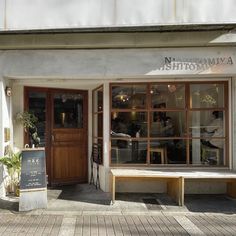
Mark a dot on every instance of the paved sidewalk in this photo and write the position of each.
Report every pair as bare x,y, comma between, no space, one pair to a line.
83,210
94,225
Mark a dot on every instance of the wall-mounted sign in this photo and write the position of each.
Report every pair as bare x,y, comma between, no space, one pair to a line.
192,64
7,134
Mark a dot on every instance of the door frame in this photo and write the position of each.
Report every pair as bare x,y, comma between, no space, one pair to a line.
49,124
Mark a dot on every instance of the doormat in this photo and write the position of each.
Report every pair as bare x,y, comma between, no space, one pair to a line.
152,204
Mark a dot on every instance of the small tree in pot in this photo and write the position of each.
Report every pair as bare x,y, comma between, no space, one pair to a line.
29,121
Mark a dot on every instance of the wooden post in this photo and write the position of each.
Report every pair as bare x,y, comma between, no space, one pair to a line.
231,188
175,189
112,187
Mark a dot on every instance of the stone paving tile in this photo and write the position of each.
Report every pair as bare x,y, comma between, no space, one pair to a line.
68,226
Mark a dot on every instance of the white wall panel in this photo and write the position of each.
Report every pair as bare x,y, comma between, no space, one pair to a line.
2,14
138,12
52,14
40,14
209,11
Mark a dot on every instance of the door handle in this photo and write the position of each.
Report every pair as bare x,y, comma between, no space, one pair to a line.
53,138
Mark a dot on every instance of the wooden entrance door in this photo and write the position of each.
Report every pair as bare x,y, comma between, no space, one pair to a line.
63,131
68,136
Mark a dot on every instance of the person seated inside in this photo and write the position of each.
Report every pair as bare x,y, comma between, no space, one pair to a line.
214,129
119,129
157,126
168,129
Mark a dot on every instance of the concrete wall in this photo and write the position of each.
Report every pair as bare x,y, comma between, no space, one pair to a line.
2,192
54,14
191,187
120,40
112,63
5,122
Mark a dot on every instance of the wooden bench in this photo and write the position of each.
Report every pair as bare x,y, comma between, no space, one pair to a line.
174,179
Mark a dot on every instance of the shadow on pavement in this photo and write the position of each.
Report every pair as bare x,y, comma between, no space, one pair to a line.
212,203
80,193
7,204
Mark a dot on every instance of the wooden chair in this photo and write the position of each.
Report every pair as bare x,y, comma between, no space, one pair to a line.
163,153
208,150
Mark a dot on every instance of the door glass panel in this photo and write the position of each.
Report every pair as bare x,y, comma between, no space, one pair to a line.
206,95
98,100
98,125
68,110
37,106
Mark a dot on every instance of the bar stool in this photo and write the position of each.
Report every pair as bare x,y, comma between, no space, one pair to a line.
162,151
206,150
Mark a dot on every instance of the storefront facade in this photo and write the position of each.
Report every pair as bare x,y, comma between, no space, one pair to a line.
148,98
165,99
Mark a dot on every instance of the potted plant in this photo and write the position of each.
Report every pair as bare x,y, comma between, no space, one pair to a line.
29,120
12,161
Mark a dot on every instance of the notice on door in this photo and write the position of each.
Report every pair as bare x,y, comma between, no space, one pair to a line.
33,169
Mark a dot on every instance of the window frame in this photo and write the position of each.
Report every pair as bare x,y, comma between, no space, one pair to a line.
187,109
96,139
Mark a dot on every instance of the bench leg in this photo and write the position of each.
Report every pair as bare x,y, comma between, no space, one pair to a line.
113,187
175,189
231,189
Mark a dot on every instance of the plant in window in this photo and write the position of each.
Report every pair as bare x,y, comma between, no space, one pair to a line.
29,121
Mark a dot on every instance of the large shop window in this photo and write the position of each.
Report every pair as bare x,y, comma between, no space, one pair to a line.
98,123
169,123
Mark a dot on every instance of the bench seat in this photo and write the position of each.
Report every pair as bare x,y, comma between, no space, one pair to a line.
175,179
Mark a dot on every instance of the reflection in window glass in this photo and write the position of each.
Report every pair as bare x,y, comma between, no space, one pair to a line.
129,96
98,100
206,95
68,110
207,123
125,151
168,151
167,124
129,124
168,96
37,106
